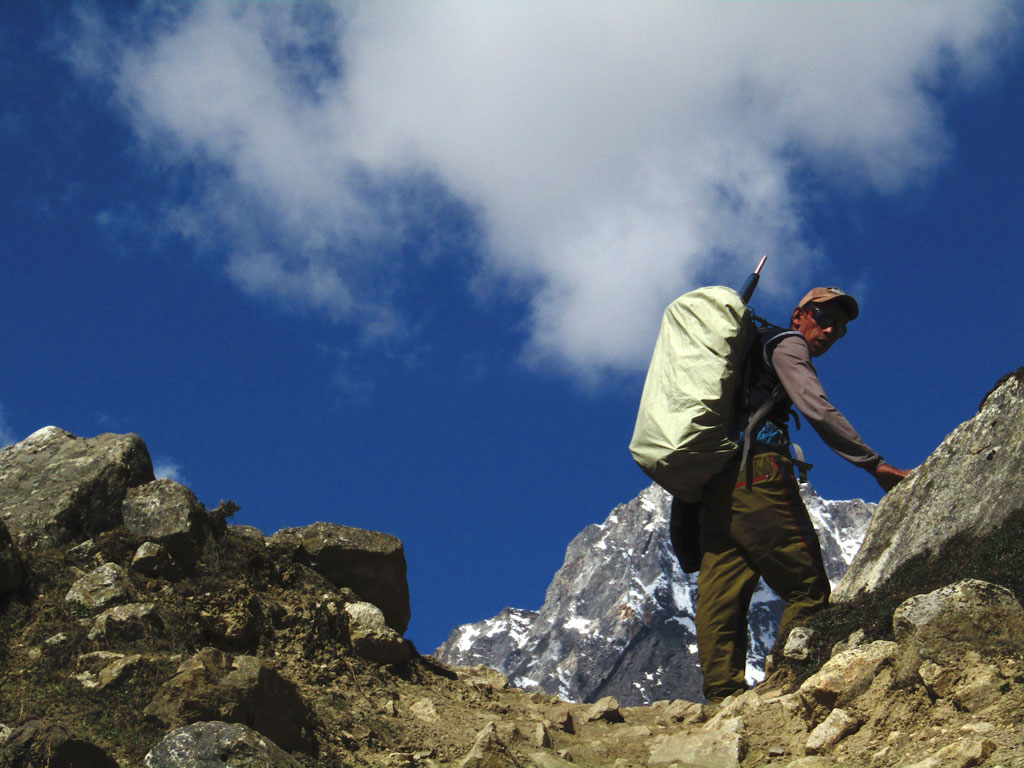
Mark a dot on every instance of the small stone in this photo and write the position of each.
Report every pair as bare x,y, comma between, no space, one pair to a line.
798,644
424,709
130,622
563,721
837,726
153,559
541,737
980,727
548,760
982,689
372,638
680,711
847,675
708,749
85,549
87,680
936,678
961,754
118,673
488,751
606,709
103,587
56,640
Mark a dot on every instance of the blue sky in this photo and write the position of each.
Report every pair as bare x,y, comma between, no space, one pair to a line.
400,266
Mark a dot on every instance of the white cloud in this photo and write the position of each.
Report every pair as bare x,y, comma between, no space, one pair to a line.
613,151
169,469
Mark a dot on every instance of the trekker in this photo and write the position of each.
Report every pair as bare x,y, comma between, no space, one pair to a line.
753,523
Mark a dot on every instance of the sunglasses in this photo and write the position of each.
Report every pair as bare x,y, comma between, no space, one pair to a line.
825,320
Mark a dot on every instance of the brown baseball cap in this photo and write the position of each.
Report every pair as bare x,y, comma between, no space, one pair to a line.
831,293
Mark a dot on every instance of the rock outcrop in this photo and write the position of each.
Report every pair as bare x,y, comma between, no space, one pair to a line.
56,487
168,514
370,563
267,652
971,485
212,685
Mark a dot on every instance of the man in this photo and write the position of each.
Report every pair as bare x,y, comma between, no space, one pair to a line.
753,523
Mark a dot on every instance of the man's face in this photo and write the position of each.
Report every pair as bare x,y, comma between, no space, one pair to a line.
821,325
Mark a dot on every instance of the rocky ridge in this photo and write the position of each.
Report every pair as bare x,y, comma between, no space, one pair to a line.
618,617
259,655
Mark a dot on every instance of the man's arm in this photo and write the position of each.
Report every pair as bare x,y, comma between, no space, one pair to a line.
792,362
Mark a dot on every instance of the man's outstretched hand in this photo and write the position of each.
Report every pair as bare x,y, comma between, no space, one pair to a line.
889,476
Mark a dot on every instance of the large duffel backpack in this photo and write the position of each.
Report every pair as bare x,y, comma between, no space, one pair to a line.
684,432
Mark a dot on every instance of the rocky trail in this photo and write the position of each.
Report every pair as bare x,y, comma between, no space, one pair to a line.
138,628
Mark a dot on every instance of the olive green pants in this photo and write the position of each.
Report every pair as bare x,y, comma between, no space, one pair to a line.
746,533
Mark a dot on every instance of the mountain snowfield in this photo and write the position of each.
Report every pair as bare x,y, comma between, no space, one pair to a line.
618,617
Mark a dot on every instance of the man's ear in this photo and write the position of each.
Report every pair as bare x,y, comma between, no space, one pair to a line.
794,319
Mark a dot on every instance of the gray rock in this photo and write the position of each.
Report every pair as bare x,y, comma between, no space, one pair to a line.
12,571
217,745
56,488
847,675
797,644
959,754
372,638
979,689
708,749
131,621
168,513
489,752
370,563
102,587
837,726
606,709
969,486
41,743
120,673
212,685
153,559
970,614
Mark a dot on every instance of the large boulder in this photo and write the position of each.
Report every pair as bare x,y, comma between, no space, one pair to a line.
56,487
943,625
213,685
217,745
970,485
168,513
42,743
370,563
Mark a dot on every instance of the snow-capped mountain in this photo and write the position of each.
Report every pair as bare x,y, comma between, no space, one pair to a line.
618,616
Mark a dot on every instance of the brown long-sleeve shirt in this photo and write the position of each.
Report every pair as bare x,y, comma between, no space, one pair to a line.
792,362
